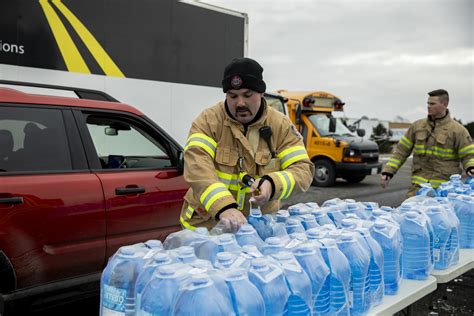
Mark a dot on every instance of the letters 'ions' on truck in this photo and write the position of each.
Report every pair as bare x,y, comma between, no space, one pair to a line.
335,150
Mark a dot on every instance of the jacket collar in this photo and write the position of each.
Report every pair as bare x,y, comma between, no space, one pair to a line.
441,121
231,121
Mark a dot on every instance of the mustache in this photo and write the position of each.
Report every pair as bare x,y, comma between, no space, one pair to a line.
242,109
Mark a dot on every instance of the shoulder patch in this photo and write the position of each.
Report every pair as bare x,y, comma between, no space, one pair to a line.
296,132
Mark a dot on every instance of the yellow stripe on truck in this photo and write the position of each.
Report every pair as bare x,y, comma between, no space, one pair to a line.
100,55
72,57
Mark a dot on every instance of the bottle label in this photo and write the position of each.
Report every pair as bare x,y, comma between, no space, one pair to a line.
113,301
436,254
351,298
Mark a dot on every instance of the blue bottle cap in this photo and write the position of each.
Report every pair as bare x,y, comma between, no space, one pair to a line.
153,244
308,217
200,279
292,222
259,263
161,257
166,270
246,228
411,214
304,249
202,231
235,274
127,250
380,223
224,256
226,238
347,236
273,241
348,222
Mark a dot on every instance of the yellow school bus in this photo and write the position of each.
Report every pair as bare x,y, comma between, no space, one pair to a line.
335,149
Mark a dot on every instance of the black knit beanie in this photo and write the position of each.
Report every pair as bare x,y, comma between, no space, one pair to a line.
243,73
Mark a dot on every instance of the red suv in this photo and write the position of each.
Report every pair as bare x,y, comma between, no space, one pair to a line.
78,179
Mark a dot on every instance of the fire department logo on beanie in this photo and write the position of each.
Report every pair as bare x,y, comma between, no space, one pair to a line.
243,73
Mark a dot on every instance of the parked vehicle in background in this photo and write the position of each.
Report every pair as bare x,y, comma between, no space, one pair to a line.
78,179
335,150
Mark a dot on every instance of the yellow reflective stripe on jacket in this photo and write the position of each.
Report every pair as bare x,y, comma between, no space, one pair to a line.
469,163
212,193
463,152
189,212
203,141
420,180
435,151
186,224
395,163
292,155
288,183
230,180
406,142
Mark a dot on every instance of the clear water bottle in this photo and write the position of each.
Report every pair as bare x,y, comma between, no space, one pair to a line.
336,214
299,209
200,289
453,242
271,283
230,261
316,234
442,231
273,245
309,221
246,298
312,205
300,301
160,293
359,261
261,223
294,226
350,223
426,190
388,237
339,279
251,252
375,267
455,180
310,259
159,259
464,208
117,283
416,254
321,217
185,237
295,240
357,209
247,235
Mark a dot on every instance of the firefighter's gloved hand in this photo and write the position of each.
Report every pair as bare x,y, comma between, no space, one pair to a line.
262,191
385,179
232,219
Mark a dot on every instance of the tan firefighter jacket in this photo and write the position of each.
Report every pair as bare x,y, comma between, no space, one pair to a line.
439,147
217,152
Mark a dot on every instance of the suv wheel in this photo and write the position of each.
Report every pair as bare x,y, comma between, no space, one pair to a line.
325,173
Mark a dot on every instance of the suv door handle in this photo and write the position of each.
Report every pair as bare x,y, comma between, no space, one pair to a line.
12,200
135,190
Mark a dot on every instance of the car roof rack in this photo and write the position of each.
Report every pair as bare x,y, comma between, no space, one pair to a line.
81,93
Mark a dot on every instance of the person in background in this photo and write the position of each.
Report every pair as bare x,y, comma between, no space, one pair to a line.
439,144
241,148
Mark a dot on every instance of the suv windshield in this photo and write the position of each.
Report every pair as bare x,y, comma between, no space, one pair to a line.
321,123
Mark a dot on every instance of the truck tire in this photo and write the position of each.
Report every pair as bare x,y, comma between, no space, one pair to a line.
354,179
325,173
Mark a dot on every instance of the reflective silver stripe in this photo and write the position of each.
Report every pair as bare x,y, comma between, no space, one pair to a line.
212,193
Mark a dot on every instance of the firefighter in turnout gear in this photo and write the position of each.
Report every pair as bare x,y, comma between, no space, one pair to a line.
439,145
238,149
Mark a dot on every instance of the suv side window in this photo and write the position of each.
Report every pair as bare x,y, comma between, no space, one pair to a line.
121,143
33,139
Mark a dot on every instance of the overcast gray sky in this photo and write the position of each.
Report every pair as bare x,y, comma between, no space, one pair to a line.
380,57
